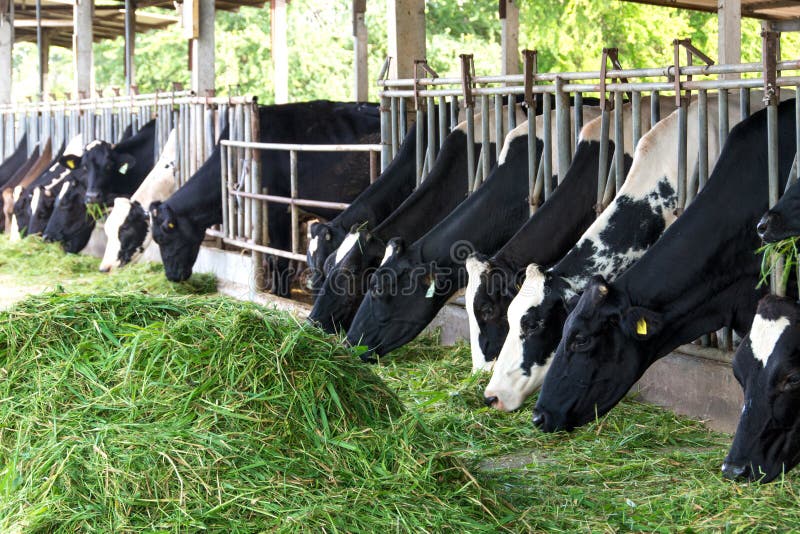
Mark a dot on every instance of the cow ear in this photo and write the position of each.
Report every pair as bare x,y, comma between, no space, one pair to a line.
597,290
154,208
641,323
398,245
125,162
70,161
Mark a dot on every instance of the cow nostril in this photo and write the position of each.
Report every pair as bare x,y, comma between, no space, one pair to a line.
490,401
105,269
539,419
733,471
763,226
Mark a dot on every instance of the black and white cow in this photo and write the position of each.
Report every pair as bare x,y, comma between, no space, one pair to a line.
494,282
638,216
14,180
69,223
413,284
116,170
700,276
362,251
376,203
767,366
179,223
782,220
127,226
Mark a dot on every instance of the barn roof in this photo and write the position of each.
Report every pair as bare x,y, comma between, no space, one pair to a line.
761,9
109,18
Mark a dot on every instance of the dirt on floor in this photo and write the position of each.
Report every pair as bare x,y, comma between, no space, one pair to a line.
11,292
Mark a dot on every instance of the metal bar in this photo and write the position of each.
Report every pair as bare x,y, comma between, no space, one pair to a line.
395,142
402,122
471,148
511,113
702,156
386,142
486,117
655,108
722,104
744,103
303,203
299,147
547,150
619,141
430,112
636,118
223,155
443,118
420,147
578,116
682,148
563,132
603,159
498,125
261,248
294,208
532,164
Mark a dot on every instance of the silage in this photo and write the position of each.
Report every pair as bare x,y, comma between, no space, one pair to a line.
132,414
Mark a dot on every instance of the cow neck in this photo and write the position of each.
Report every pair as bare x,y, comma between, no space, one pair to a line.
193,199
488,217
701,274
393,185
441,191
144,137
17,158
562,219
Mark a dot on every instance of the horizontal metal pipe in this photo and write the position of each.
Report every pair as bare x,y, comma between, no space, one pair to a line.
289,201
260,248
304,147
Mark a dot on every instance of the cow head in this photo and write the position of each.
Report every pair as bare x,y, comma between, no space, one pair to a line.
127,228
490,289
603,351
179,240
535,318
346,275
323,240
403,295
767,365
783,219
103,166
69,223
40,208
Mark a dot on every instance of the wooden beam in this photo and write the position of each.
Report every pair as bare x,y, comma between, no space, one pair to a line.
509,38
406,19
729,45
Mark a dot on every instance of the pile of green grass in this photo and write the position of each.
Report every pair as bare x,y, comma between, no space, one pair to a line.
155,414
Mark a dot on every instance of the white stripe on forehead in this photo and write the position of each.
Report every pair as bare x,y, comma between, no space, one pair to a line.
64,189
764,335
475,268
35,200
388,253
313,244
346,246
93,144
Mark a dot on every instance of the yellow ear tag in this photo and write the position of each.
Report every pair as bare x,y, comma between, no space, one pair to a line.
170,226
641,327
71,163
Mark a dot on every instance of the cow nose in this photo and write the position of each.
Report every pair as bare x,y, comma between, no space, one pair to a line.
92,197
733,471
540,419
105,269
490,401
48,238
763,226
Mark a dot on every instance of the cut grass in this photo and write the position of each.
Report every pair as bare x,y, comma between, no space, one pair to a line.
127,412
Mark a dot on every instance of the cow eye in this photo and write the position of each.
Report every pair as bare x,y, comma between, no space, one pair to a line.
531,328
792,381
579,343
487,311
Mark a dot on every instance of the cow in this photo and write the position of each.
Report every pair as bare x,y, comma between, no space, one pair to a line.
700,276
782,220
493,282
116,170
644,207
13,188
127,226
377,202
179,222
414,283
69,223
14,179
767,366
443,189
12,163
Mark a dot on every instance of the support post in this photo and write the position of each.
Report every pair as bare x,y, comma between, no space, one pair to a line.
203,73
82,38
280,51
509,23
6,53
729,20
130,44
406,20
360,34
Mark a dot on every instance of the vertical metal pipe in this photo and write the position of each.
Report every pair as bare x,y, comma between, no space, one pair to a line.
578,113
722,104
420,146
547,150
602,168
563,132
453,114
471,149
486,116
682,149
223,156
246,178
394,127
619,141
796,137
402,121
431,115
295,208
702,157
386,142
443,118
532,166
636,118
511,112
772,173
498,125
744,103
655,108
